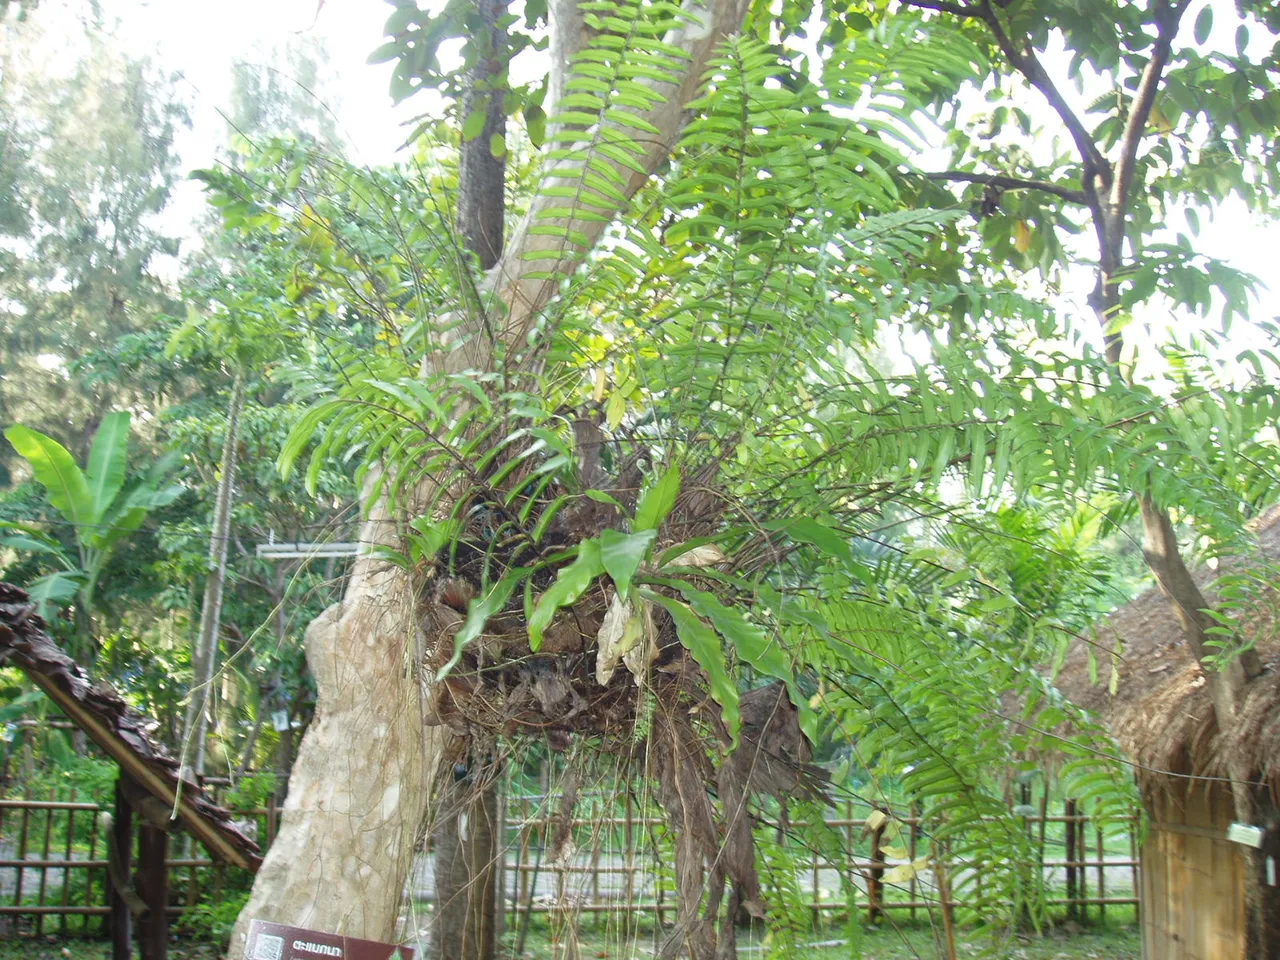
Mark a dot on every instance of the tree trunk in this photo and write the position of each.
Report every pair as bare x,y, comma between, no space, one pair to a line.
464,914
464,925
205,653
360,785
482,174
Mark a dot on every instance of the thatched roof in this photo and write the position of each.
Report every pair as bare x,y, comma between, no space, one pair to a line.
1161,712
117,729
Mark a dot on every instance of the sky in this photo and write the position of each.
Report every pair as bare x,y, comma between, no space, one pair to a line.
202,41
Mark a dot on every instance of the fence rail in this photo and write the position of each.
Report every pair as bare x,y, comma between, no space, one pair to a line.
54,866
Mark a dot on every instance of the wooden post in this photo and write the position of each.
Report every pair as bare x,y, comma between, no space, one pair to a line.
848,869
1083,850
1069,814
1040,840
629,859
22,848
1102,873
120,849
44,855
88,874
948,909
1133,871
500,868
153,887
66,873
913,834
816,899
875,882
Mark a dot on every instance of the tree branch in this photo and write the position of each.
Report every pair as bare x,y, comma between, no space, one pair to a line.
1011,183
1167,18
1028,64
942,6
512,290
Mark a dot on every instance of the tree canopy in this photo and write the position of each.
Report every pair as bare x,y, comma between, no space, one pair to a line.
826,373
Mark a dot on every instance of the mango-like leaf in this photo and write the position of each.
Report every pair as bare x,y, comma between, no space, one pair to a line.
906,871
754,645
571,583
107,461
830,542
473,126
656,502
750,640
535,121
1204,25
703,642
621,554
57,473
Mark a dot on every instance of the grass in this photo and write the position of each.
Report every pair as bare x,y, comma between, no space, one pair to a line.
1113,941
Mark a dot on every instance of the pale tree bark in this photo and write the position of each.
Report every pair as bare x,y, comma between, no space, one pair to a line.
360,786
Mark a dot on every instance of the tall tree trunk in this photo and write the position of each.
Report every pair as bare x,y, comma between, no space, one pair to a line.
359,788
464,924
204,655
466,839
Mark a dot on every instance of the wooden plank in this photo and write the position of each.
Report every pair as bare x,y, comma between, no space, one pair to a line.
121,919
44,871
153,886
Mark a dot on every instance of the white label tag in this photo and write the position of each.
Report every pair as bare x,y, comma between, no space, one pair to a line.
1271,871
1245,833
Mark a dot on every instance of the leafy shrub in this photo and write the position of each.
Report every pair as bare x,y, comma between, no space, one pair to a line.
212,922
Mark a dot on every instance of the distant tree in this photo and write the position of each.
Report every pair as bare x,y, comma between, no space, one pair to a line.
285,94
88,164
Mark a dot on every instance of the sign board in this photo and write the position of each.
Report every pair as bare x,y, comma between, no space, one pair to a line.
1245,833
275,941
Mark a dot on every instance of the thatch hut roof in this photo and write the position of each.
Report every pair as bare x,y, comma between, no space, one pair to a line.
1160,711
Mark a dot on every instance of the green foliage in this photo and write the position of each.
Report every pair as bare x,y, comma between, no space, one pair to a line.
212,922
89,163
907,538
93,502
866,458
251,792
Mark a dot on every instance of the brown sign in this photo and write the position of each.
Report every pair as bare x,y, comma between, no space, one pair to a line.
275,941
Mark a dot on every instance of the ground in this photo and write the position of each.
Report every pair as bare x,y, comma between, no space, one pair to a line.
1112,942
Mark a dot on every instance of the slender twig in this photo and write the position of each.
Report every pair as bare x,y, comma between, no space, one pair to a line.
1011,183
